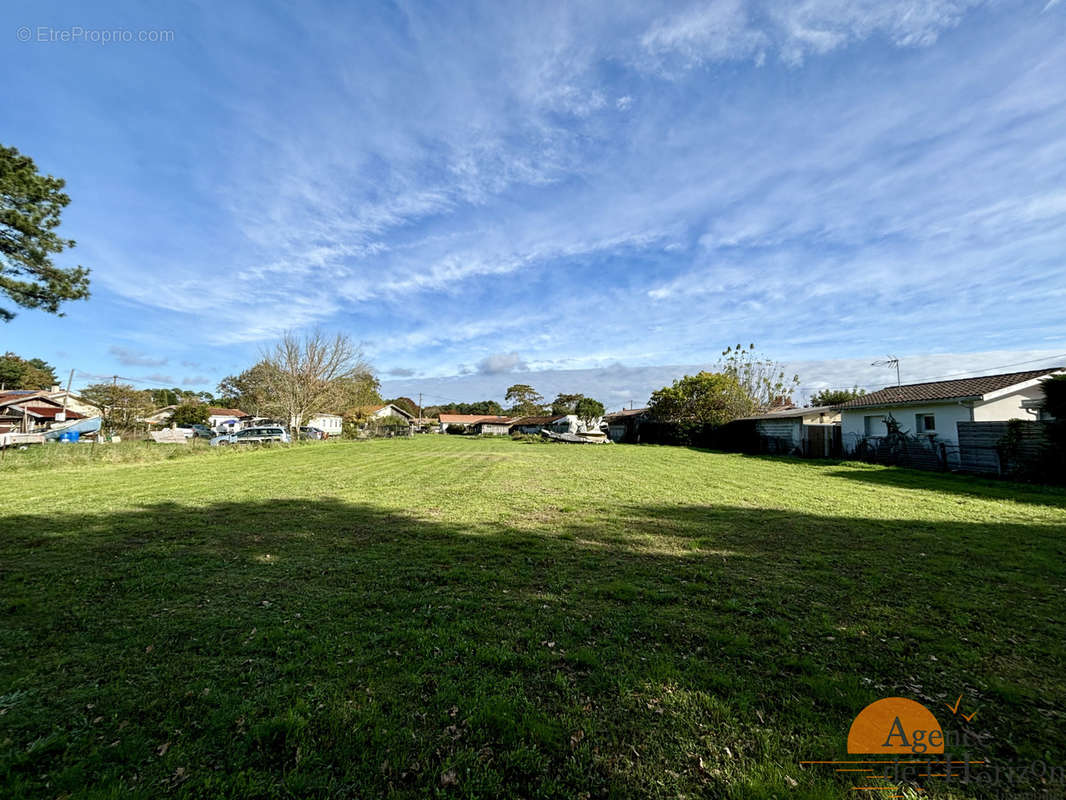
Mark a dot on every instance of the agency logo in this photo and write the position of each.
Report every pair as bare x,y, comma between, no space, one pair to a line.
895,726
896,747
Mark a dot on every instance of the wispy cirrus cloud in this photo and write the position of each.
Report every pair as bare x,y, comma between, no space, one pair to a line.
616,182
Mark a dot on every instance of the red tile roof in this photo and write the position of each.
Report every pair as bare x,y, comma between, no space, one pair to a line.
538,420
945,390
49,412
471,419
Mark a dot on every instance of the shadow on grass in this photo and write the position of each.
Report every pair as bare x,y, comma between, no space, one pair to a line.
925,480
968,485
321,648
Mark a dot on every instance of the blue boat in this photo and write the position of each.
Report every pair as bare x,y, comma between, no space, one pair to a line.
79,426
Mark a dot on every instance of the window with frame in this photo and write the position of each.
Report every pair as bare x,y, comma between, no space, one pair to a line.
925,423
872,425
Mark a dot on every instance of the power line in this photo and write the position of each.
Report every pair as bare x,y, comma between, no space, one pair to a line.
147,381
944,377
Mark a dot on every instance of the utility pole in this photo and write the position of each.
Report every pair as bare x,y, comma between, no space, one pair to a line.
420,409
66,396
114,400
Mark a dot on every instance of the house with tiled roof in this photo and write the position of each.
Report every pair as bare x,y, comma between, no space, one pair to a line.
933,409
377,417
478,423
622,426
380,411
218,416
30,411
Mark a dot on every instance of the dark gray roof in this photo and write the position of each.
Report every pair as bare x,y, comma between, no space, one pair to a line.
945,390
626,412
789,413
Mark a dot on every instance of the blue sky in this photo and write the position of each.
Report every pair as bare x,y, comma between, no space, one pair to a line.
592,197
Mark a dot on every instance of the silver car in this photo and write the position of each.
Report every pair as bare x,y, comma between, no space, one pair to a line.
257,435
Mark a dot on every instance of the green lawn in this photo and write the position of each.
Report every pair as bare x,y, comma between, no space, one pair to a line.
485,618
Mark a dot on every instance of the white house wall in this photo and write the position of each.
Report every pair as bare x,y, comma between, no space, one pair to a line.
330,423
1008,407
853,427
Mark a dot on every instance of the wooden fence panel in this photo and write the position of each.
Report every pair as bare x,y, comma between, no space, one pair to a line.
981,445
822,441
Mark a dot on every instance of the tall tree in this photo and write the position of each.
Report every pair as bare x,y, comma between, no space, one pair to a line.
761,378
312,374
188,414
588,411
26,373
524,400
30,208
834,397
713,397
249,391
565,403
122,407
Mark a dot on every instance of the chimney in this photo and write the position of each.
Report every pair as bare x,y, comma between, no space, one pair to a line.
55,388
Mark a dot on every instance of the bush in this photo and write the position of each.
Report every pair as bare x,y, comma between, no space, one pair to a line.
738,436
1052,463
188,414
361,427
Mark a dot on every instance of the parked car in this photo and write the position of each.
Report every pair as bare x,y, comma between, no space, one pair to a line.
252,436
200,431
310,432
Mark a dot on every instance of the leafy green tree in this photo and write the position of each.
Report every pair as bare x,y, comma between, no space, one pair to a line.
171,397
248,391
712,397
524,400
565,403
588,410
1053,458
188,414
30,208
834,397
361,389
122,407
762,379
23,373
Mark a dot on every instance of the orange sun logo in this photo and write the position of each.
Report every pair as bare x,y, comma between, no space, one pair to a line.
895,726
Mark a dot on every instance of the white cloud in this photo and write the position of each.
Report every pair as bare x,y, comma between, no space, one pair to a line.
473,191
133,358
732,30
500,363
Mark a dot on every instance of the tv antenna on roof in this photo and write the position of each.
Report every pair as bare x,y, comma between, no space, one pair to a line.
891,361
